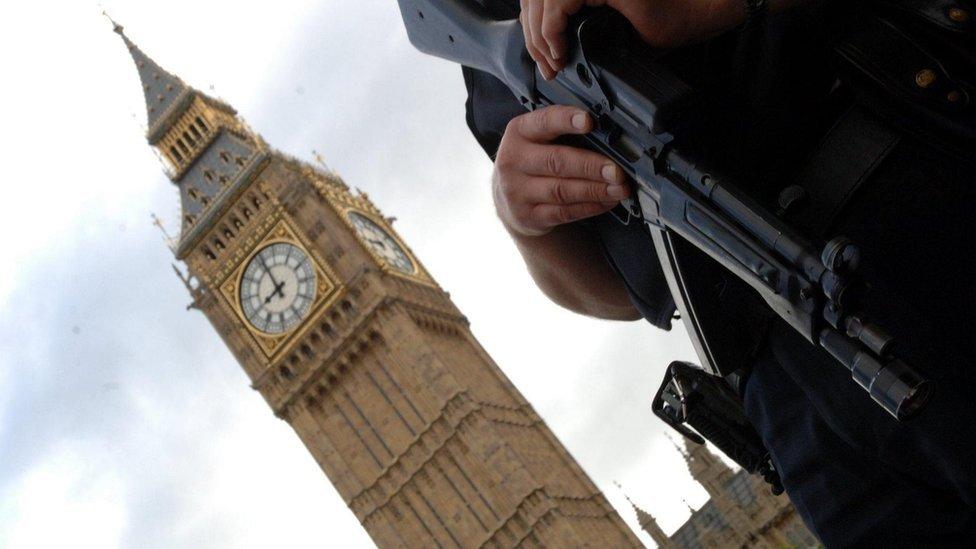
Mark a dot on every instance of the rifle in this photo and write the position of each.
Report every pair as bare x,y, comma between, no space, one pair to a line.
637,102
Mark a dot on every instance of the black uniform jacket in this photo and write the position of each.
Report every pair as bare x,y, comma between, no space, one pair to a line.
856,476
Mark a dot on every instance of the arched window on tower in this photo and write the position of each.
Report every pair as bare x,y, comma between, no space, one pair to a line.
176,154
203,125
196,133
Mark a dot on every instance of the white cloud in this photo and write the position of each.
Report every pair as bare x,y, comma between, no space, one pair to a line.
64,501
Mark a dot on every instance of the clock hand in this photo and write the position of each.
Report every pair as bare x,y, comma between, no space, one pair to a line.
277,290
268,270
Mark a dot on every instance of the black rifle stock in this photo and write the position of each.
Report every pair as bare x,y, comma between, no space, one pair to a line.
635,102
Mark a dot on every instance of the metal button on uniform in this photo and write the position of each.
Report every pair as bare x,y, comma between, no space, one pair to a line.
958,15
925,78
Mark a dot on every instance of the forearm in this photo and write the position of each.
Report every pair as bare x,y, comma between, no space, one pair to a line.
568,265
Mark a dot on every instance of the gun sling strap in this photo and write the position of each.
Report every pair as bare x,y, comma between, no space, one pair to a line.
847,156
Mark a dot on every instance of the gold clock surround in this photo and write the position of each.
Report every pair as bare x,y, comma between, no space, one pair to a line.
273,345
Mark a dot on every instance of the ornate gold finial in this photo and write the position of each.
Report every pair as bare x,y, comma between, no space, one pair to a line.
169,240
158,222
116,28
318,158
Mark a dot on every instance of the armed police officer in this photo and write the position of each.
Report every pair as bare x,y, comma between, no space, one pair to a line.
775,114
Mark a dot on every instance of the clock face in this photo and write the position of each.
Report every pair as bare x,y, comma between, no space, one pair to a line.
277,288
382,243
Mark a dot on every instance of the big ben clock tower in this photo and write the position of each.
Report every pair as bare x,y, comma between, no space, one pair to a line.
349,339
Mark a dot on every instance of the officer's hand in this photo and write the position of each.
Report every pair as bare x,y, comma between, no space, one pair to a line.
661,23
537,185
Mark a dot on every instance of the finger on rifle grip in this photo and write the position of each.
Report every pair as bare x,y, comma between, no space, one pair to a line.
549,123
554,20
554,190
553,214
531,19
548,160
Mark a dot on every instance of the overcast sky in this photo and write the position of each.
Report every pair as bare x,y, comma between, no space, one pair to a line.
124,421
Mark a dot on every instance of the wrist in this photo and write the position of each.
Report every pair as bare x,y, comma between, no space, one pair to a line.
521,234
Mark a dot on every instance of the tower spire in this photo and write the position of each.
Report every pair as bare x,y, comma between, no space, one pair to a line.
647,522
208,151
706,468
117,28
678,447
162,89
